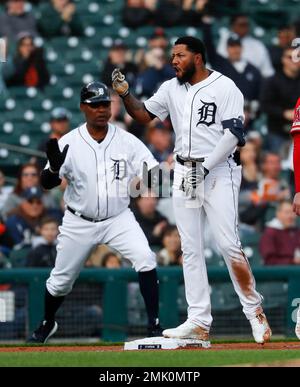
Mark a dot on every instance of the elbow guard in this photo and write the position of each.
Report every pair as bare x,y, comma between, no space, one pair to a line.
236,127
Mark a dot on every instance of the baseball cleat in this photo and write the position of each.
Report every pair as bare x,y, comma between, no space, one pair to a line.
43,332
260,329
187,330
297,329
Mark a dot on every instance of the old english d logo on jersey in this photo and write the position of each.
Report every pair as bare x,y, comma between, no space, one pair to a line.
207,113
119,169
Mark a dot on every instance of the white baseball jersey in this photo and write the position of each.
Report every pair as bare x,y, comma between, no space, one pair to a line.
197,111
99,174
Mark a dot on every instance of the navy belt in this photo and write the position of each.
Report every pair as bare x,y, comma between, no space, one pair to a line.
187,162
193,162
85,217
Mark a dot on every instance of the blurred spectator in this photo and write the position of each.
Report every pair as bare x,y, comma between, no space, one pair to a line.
6,240
16,20
159,140
28,176
43,252
221,8
6,70
59,126
260,191
285,36
150,220
138,13
254,51
169,13
117,57
251,110
278,98
192,11
271,187
111,261
118,116
256,139
29,66
159,39
60,17
23,222
251,208
280,242
157,71
250,171
246,76
96,255
5,190
171,253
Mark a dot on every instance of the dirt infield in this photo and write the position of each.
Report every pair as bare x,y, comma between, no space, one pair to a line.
215,347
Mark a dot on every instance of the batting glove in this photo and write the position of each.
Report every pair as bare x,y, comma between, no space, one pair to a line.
191,183
55,156
119,84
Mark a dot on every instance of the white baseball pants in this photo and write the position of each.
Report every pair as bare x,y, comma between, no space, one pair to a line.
78,237
220,205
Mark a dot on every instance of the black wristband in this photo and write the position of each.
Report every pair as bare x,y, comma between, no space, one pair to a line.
127,92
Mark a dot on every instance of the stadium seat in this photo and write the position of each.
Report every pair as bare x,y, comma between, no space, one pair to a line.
18,257
223,297
275,293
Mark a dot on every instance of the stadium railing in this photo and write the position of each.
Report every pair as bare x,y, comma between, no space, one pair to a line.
115,286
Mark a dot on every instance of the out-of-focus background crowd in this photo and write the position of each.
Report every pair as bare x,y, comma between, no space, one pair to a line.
56,46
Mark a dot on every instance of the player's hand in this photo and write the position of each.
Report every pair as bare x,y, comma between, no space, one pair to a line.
288,114
296,204
119,83
55,156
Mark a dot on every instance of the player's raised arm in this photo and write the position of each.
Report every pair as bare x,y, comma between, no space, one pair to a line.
135,108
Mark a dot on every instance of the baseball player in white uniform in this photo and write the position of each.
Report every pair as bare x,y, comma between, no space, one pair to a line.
99,161
206,110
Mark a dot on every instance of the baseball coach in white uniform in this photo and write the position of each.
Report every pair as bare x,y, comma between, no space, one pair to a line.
206,110
99,161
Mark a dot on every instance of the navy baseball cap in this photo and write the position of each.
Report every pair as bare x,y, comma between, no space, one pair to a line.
32,193
234,40
60,114
95,92
119,45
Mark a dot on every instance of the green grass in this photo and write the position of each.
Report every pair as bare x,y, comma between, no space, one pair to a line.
187,358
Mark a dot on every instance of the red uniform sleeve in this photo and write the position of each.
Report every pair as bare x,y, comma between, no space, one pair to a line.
296,122
295,131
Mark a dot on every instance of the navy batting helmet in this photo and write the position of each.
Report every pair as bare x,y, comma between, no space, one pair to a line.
94,92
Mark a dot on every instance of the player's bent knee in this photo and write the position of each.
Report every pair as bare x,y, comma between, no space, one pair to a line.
144,268
146,263
58,290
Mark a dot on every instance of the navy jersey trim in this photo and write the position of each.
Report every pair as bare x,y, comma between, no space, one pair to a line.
97,177
191,115
106,184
